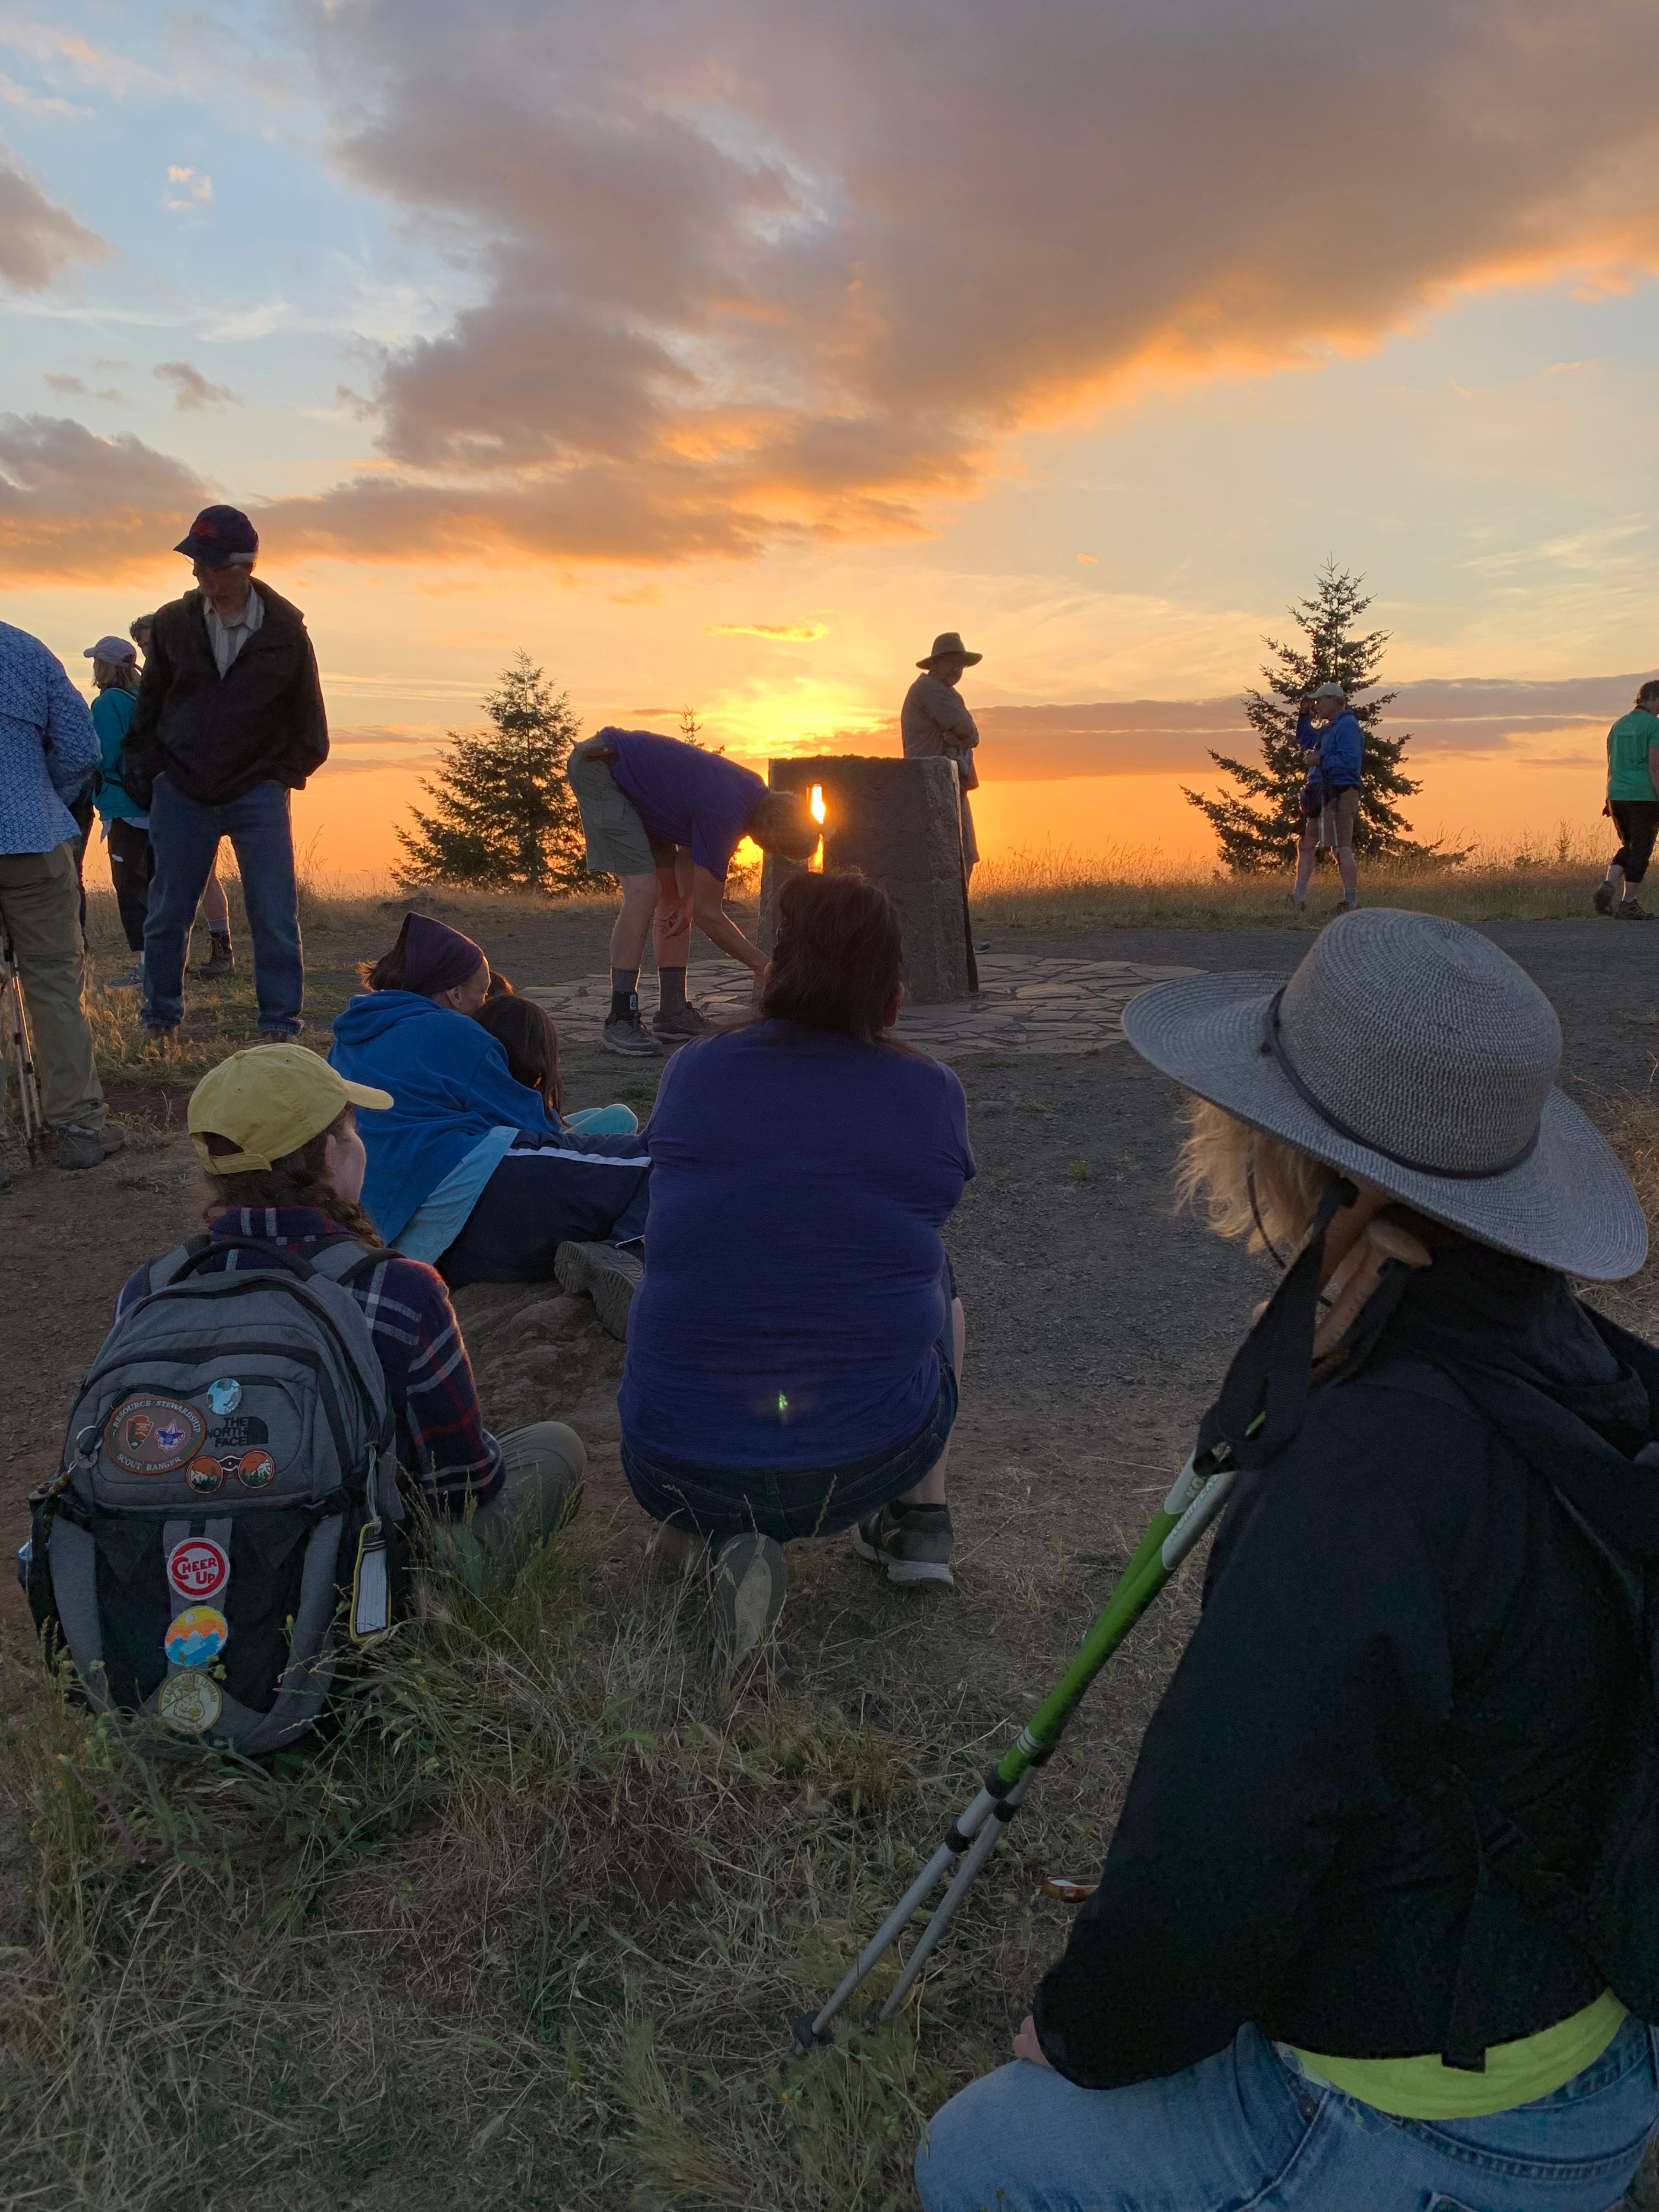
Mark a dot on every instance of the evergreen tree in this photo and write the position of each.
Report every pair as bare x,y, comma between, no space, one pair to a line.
504,816
1257,825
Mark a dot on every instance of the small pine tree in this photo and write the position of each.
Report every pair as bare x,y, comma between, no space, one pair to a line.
504,815
1257,826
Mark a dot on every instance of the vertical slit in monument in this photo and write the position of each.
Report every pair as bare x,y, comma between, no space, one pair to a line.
816,810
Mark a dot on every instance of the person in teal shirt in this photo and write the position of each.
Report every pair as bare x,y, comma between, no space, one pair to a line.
1633,803
126,826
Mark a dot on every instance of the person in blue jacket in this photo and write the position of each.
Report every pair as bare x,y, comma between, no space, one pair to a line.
471,1169
1329,734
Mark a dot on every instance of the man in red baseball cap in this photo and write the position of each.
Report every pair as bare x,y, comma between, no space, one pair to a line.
230,719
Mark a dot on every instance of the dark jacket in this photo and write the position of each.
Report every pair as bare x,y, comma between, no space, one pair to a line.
1397,1588
214,737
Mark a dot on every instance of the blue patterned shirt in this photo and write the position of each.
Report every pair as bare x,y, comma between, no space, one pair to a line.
48,748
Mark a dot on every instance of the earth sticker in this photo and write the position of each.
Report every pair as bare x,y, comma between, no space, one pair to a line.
154,1436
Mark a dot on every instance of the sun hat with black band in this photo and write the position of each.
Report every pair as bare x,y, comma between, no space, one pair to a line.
270,1100
1409,1053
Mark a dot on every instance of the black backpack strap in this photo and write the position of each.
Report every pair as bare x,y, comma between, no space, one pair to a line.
266,1247
171,1264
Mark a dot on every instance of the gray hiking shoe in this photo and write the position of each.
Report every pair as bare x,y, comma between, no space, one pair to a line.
132,980
912,1543
677,1022
748,1581
80,1147
604,1273
1630,909
628,1036
1604,897
220,960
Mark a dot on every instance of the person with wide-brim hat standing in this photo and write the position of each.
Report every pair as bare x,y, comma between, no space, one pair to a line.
1378,1926
934,723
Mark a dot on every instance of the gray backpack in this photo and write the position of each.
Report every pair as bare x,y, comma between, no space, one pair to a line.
227,1500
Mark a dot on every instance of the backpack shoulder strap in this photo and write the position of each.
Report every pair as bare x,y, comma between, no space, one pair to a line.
172,1265
345,1257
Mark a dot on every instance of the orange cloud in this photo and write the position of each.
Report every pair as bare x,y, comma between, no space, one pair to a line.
805,633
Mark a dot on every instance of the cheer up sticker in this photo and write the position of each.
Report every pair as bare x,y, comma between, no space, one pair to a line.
198,1567
197,1637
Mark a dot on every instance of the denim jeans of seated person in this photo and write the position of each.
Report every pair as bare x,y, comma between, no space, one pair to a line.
1244,2131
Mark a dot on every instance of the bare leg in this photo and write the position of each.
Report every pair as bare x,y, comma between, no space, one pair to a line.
1306,851
930,1490
673,952
215,906
633,922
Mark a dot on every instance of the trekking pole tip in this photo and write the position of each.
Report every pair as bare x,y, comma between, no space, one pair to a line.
808,2035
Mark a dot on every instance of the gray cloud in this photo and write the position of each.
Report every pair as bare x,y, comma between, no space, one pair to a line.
749,275
39,241
63,386
192,392
73,505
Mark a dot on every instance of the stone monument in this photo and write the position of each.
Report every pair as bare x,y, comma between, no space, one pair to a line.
899,821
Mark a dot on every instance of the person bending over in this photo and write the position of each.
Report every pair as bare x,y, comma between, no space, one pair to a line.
665,816
529,1037
1337,1961
795,1350
277,1130
468,1170
1633,803
1330,736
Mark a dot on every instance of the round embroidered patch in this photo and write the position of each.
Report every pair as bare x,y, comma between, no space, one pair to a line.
205,1476
256,1469
189,1702
198,1567
225,1395
154,1436
197,1637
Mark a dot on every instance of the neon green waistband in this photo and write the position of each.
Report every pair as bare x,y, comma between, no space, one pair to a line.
1516,2073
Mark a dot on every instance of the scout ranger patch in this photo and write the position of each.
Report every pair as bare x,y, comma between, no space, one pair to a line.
153,1436
199,1568
198,1635
190,1702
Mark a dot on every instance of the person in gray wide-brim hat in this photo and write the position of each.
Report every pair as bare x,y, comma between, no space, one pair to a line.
934,723
1411,1053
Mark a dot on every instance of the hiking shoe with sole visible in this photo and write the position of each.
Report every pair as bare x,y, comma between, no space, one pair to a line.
1604,897
80,1147
912,1543
1631,910
748,1581
606,1274
220,961
628,1036
132,980
677,1022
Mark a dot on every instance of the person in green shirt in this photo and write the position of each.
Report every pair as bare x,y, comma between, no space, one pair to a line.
1633,803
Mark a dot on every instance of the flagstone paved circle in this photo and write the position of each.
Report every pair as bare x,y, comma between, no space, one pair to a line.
1026,1005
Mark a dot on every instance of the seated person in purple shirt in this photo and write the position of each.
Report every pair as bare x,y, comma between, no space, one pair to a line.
665,817
794,1348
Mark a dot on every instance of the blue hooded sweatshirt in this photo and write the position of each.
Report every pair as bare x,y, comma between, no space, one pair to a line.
1341,747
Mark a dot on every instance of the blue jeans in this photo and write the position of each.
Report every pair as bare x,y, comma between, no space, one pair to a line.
1244,2132
184,838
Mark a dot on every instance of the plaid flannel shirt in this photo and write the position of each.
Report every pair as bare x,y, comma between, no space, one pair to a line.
441,1437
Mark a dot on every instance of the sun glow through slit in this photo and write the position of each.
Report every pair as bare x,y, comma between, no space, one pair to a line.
816,808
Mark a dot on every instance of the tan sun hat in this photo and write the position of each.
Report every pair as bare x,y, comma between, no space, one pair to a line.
270,1099
950,640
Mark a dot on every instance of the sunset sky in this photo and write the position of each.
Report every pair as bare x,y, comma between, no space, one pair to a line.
720,353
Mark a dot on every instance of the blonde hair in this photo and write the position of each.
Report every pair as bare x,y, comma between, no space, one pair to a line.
1242,1182
116,675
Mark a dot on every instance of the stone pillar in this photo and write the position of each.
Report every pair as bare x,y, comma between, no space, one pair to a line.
899,822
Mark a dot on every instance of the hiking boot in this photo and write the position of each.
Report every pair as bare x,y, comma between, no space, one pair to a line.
1345,906
748,1581
605,1273
132,980
1604,898
1630,910
220,960
912,1543
627,1035
677,1022
159,1032
80,1147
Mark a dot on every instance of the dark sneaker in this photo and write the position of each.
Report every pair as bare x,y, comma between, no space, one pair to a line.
281,1037
628,1035
748,1581
160,1032
677,1022
1631,910
220,961
912,1543
604,1273
132,980
1604,897
1345,906
80,1147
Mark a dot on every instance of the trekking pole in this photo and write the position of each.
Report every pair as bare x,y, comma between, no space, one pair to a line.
20,1048
1198,1496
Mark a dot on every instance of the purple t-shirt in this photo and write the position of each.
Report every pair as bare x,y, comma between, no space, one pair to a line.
685,796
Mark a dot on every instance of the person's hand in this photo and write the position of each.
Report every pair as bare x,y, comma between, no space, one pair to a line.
1026,2045
674,916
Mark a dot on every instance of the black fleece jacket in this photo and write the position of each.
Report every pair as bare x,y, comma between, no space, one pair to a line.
214,737
1397,1584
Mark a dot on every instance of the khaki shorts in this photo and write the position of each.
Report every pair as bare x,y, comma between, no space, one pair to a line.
1341,812
616,841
